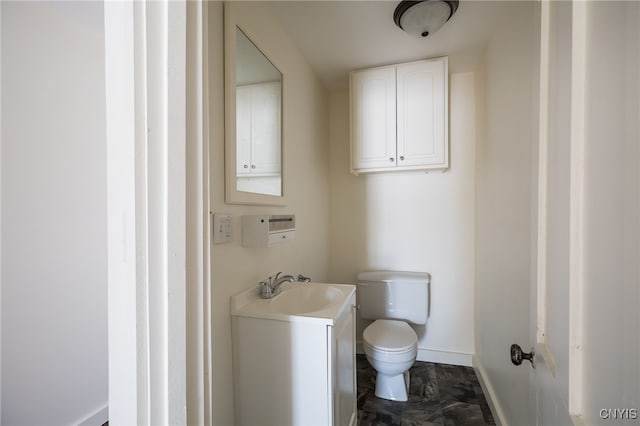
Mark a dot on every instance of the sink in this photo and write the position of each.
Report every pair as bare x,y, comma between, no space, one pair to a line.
311,302
294,355
305,298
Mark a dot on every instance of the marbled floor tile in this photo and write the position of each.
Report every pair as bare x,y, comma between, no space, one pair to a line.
375,418
455,372
438,394
372,419
413,412
455,390
418,411
373,404
462,413
457,383
423,381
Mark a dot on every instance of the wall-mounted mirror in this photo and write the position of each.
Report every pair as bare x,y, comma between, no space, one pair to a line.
253,114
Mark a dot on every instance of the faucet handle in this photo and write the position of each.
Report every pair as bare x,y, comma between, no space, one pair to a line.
303,279
276,277
265,289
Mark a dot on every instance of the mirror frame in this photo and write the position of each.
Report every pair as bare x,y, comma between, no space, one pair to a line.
236,15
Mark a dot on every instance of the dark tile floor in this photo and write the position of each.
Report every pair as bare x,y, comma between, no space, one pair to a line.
439,394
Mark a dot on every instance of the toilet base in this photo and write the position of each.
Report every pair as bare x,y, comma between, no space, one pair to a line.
393,388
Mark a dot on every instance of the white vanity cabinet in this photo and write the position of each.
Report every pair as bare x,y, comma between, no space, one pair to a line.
399,117
295,369
258,129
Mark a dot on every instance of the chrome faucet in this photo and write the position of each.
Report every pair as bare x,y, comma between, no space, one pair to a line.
271,288
278,280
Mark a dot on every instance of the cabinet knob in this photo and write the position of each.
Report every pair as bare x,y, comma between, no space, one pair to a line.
402,158
245,166
253,166
392,159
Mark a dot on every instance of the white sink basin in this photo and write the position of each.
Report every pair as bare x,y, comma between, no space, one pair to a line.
305,298
310,302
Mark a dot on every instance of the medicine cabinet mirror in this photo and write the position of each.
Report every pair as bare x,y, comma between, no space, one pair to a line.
253,114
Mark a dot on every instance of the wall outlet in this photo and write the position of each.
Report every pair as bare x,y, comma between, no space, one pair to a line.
222,228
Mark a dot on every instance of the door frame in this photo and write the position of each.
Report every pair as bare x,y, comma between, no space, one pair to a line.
157,212
547,368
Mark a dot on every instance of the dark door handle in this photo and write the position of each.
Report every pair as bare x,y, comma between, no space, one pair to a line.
517,355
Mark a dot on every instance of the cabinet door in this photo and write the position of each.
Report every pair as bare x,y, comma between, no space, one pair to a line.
422,119
373,118
243,130
344,389
265,128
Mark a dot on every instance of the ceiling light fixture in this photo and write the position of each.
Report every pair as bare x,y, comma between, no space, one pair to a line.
424,17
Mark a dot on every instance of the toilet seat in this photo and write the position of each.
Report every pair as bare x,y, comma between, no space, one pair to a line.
391,357
390,336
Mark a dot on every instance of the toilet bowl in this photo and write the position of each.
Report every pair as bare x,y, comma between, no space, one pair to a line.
392,300
391,348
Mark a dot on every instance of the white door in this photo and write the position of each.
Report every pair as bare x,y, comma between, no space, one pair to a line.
373,118
588,226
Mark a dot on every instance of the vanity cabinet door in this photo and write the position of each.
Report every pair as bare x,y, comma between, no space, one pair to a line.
344,369
373,118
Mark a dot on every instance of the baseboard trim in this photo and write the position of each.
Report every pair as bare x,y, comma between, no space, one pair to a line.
440,357
445,357
489,392
100,417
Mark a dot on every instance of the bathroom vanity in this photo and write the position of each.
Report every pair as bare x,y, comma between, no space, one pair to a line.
294,356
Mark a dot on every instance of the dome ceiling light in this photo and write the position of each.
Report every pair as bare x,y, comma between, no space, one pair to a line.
421,18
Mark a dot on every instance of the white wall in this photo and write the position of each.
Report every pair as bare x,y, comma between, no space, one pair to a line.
503,208
54,318
235,268
413,221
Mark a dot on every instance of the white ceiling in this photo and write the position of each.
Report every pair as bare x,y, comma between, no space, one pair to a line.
339,36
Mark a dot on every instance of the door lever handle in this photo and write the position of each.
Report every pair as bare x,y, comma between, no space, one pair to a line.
517,355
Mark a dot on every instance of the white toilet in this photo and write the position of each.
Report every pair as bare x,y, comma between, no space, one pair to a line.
392,299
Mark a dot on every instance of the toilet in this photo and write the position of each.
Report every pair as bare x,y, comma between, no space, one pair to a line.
393,300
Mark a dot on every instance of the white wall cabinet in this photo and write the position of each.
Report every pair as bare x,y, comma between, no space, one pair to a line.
399,117
258,129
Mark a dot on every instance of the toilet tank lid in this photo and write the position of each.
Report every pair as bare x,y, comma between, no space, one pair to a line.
388,276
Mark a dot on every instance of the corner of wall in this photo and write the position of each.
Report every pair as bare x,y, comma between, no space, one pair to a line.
489,392
98,418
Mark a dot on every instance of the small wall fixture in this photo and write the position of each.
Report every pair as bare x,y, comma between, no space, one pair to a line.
421,18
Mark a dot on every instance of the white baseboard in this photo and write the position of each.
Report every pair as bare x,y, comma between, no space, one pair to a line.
100,417
440,357
489,392
445,357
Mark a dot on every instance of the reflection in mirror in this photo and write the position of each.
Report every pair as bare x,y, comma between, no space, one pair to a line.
258,120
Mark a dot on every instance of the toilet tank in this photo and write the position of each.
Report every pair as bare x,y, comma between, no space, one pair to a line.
394,295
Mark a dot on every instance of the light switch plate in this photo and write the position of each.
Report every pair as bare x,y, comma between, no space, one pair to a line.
222,228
